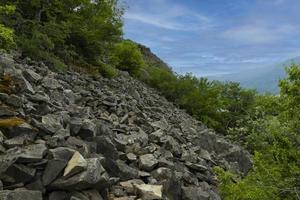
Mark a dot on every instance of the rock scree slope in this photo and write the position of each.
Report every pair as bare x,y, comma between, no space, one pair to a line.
79,137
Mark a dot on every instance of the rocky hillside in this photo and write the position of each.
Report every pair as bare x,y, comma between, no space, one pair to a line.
73,136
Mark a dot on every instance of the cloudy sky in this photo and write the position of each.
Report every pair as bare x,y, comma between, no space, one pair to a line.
215,37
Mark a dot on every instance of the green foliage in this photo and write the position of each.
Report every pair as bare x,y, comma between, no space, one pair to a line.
6,34
271,132
127,56
108,71
67,32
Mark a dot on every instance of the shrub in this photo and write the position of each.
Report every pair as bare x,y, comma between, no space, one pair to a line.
107,71
127,57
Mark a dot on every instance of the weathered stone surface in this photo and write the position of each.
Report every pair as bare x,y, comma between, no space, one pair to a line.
52,170
75,165
31,76
148,162
149,192
194,193
58,195
20,195
93,177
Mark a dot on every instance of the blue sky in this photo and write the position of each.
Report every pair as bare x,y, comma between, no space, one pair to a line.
215,37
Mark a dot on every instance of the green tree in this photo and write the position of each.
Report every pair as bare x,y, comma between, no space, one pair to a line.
127,56
6,34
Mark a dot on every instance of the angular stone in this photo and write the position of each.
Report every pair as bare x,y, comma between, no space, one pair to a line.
147,162
51,123
94,176
149,192
92,194
75,125
194,193
52,170
155,136
51,83
14,101
126,172
32,153
162,173
31,76
75,165
20,173
129,185
88,129
61,153
20,195
106,147
7,112
196,167
58,195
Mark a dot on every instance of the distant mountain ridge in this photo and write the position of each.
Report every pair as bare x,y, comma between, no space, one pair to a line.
263,79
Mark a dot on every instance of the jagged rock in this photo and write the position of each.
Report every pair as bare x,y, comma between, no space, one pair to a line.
93,177
31,76
14,101
126,172
87,129
194,193
75,165
52,170
6,111
162,173
148,162
51,123
32,153
61,153
51,83
149,192
197,167
58,195
20,173
172,188
129,185
20,195
106,147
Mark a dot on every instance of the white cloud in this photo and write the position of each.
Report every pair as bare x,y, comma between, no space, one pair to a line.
257,34
167,15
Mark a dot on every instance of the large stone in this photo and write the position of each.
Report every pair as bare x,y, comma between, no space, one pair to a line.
149,192
88,129
126,172
32,153
106,147
75,165
61,153
58,195
94,176
31,76
20,195
51,83
20,173
147,162
194,193
52,170
51,123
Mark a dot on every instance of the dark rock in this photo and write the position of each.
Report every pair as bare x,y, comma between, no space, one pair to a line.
52,170
126,172
93,177
147,162
58,195
106,147
194,193
31,76
20,195
61,153
88,129
32,153
75,165
20,173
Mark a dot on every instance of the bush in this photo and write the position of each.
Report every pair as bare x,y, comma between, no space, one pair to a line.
108,71
127,57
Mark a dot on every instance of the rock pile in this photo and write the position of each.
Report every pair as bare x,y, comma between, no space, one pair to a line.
72,136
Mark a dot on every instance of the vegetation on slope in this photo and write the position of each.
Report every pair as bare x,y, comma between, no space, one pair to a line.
87,34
